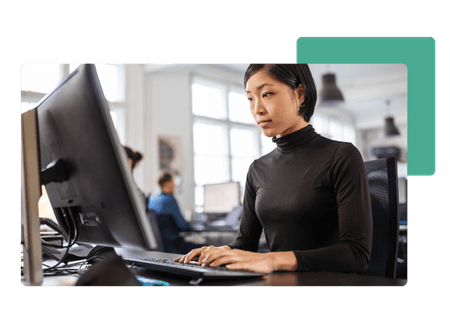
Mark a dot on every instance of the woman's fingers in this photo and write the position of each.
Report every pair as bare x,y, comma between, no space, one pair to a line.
210,254
233,259
222,260
194,254
241,266
190,256
223,257
243,260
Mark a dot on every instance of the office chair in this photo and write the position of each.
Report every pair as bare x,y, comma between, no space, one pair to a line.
151,216
383,187
172,242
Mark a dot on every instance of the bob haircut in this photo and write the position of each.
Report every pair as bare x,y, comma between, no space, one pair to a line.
292,75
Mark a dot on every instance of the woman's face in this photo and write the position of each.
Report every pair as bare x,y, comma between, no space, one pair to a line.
274,105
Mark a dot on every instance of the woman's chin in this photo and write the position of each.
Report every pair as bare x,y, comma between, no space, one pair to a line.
268,134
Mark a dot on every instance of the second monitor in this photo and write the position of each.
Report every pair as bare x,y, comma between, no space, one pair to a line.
221,197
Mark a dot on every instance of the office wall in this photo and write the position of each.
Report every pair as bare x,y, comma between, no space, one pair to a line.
134,116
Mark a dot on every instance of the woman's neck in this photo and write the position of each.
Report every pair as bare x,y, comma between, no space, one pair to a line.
295,140
302,123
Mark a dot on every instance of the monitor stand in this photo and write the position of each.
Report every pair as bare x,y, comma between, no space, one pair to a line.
31,192
32,180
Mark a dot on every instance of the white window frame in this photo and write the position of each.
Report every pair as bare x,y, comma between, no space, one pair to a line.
228,86
343,119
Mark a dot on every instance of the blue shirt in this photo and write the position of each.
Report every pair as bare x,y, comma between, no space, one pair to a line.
167,205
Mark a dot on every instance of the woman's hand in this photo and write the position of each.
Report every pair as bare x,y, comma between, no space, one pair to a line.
196,253
241,260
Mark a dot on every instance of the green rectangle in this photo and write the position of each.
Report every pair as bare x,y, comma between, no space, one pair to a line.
418,54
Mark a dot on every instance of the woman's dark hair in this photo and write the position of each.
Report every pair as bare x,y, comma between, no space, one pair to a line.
135,156
163,179
292,75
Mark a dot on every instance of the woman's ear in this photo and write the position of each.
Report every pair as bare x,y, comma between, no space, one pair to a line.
300,93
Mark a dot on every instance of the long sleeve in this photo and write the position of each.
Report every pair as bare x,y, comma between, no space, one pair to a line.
352,252
250,229
311,196
171,207
167,204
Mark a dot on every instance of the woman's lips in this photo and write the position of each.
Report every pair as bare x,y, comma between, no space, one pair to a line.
264,123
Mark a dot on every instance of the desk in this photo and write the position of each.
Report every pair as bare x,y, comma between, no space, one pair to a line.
272,279
216,237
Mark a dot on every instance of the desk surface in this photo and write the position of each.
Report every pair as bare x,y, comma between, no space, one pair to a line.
272,279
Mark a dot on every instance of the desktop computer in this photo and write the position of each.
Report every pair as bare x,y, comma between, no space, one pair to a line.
70,145
221,209
221,197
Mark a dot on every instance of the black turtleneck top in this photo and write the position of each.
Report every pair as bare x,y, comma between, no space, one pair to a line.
310,195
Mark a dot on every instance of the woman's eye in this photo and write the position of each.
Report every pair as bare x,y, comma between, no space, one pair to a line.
267,94
249,99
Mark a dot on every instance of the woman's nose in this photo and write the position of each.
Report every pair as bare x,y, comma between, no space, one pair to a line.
259,108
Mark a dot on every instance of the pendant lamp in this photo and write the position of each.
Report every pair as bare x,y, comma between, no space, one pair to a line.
330,93
389,127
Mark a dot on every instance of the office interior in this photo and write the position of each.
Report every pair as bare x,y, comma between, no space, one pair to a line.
193,121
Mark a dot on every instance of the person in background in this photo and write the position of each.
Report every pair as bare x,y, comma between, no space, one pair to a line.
134,158
170,220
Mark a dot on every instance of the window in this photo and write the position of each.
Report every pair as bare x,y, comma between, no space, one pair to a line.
208,99
226,139
340,129
239,108
40,78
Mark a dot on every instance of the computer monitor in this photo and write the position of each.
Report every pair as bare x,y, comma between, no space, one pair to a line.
84,167
221,197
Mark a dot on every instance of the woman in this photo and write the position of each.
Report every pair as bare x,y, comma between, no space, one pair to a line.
310,194
134,158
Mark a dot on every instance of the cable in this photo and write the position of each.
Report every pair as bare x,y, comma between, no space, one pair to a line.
85,261
62,271
68,269
71,241
75,236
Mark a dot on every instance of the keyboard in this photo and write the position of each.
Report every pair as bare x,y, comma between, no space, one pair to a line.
192,270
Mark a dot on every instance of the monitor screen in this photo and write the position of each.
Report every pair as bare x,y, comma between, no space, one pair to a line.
97,202
221,197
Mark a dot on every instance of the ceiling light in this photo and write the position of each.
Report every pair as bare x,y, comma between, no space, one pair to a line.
389,127
330,93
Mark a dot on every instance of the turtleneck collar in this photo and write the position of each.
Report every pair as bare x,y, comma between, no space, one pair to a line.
295,140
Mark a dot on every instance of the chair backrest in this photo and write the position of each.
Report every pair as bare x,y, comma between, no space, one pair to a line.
151,216
383,186
172,242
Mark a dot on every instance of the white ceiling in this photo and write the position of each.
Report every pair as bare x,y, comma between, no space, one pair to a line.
365,87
